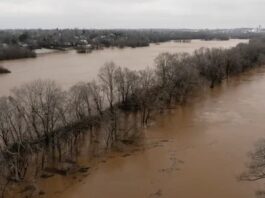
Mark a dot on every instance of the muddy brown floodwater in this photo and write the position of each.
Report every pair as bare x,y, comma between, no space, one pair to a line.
195,151
68,68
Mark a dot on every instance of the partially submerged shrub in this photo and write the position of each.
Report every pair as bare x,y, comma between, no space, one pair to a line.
4,70
15,52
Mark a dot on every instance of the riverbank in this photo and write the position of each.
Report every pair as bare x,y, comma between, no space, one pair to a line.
43,51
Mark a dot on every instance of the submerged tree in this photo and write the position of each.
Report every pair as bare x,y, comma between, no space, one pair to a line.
40,103
211,64
107,81
256,167
146,94
126,82
81,101
177,75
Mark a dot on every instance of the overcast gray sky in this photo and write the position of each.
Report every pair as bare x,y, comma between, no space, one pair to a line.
131,13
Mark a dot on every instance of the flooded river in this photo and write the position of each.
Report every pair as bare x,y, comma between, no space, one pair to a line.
196,151
68,68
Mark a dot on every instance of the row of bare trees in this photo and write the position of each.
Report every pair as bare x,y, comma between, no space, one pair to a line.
41,123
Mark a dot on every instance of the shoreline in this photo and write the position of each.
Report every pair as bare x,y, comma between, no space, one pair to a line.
48,51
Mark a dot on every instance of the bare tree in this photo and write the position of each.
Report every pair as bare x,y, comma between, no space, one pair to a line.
146,94
81,101
14,145
97,96
40,102
176,75
125,81
233,63
211,64
185,77
164,64
107,80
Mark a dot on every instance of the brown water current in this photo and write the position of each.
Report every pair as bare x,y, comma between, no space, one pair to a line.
69,68
195,151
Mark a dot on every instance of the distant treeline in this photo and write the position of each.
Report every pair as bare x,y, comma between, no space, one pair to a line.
42,126
15,52
21,43
63,38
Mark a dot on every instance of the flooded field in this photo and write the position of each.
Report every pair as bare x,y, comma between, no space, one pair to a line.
68,68
197,150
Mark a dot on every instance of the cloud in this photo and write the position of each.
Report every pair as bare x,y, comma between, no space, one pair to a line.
130,13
